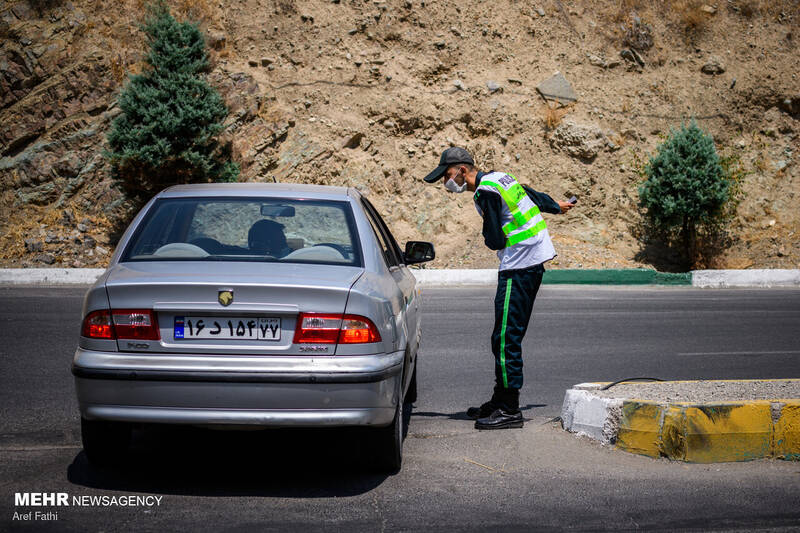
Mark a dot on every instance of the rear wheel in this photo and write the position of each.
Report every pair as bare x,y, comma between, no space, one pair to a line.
411,394
104,442
388,447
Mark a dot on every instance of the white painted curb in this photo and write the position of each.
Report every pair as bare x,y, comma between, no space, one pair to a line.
745,278
425,277
49,276
586,414
443,278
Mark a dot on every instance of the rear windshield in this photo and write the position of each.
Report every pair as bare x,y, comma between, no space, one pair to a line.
235,229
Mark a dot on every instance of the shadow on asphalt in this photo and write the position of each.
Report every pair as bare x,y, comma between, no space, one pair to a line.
462,415
289,463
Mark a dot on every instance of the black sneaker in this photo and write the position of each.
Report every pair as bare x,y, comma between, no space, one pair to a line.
483,411
501,418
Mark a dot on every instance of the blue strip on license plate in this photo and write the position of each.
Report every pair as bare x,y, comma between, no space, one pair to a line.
178,327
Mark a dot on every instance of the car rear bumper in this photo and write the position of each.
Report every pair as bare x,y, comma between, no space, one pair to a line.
250,390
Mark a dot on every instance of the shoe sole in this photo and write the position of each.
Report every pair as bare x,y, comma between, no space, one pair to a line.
507,425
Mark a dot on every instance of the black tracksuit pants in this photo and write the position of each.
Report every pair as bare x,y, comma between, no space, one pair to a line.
513,306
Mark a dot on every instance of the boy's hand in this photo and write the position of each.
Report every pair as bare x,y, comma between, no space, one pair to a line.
565,206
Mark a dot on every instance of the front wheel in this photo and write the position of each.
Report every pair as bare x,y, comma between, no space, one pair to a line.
388,444
104,442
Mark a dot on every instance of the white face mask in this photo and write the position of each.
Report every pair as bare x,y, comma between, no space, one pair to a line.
452,186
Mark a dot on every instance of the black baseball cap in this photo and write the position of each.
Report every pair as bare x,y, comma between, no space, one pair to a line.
452,156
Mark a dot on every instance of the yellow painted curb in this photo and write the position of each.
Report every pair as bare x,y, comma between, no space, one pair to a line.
711,433
640,428
786,438
721,433
673,438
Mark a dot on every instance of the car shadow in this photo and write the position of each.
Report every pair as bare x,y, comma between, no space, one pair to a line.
289,463
462,415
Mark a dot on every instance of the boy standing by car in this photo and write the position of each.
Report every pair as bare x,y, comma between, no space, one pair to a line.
513,225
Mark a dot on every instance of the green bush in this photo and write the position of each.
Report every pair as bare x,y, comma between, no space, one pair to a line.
690,194
171,116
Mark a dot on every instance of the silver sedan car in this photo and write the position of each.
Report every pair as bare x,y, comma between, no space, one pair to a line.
231,305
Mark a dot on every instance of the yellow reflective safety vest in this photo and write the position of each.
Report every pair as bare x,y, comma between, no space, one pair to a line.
527,239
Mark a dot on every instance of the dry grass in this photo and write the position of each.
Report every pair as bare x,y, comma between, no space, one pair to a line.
623,9
637,33
784,11
752,8
117,66
205,12
202,11
691,17
749,8
691,14
553,114
619,139
21,224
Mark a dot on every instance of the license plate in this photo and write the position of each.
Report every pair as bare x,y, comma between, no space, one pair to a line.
214,327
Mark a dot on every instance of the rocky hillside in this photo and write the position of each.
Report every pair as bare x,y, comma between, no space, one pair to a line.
368,93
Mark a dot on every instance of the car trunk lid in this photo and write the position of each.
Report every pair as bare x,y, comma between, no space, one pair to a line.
232,307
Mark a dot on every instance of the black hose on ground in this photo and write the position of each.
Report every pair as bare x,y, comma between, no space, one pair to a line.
629,379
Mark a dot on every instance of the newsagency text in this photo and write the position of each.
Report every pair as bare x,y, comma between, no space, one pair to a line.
63,499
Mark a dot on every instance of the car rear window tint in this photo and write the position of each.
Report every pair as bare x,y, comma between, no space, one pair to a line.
235,229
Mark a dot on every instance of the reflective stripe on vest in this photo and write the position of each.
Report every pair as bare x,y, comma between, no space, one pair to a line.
512,197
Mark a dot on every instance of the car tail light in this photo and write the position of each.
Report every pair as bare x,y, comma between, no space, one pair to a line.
317,329
329,329
358,329
138,324
97,325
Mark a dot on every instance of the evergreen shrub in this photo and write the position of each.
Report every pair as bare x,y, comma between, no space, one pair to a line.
690,194
171,116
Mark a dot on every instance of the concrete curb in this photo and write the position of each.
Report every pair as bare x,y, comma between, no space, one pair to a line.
691,432
745,278
641,276
451,277
49,276
484,277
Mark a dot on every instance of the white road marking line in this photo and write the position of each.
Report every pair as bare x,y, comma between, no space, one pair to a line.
787,352
38,448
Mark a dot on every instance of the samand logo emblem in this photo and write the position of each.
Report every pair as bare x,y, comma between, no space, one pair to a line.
225,297
139,345
314,348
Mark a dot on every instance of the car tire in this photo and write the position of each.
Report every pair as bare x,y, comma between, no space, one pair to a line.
388,444
104,442
411,393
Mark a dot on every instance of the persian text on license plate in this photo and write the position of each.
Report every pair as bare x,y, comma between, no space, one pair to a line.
214,327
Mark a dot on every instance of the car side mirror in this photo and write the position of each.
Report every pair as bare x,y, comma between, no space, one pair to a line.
418,252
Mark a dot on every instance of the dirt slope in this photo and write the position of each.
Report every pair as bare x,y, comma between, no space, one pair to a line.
368,94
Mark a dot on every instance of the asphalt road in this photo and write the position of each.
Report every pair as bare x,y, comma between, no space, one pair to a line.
454,478
580,334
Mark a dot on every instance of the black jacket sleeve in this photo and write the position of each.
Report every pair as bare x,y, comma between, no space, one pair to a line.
543,201
492,208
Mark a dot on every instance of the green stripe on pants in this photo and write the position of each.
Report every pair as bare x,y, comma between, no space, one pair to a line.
503,334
